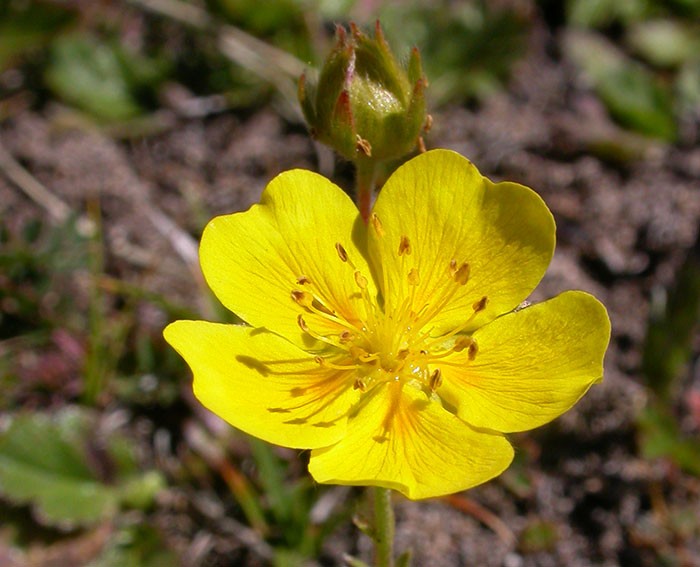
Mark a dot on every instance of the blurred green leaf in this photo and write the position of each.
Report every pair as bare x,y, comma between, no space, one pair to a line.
56,465
687,8
674,315
688,86
537,536
661,437
35,258
664,43
101,78
271,470
468,48
602,13
136,546
282,22
25,26
632,94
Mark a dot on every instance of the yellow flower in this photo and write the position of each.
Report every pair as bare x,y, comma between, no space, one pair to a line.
394,351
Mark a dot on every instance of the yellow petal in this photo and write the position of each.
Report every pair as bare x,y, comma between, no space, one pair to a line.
263,384
436,214
253,261
402,440
531,366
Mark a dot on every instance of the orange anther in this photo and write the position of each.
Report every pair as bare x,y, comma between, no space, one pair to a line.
405,246
480,305
461,275
341,251
435,379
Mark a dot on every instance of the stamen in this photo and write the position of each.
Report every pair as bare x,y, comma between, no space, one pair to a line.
323,363
302,298
341,251
303,280
402,354
304,327
413,277
377,224
461,343
435,380
357,352
480,305
461,275
346,337
405,246
473,349
360,280
359,385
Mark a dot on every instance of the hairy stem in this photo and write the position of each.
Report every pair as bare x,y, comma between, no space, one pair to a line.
383,528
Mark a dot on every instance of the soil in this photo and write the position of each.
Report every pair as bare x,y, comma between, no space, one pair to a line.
625,225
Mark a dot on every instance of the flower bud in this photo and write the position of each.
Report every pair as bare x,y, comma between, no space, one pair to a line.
364,105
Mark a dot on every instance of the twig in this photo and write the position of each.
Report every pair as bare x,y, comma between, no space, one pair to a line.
32,188
486,517
183,243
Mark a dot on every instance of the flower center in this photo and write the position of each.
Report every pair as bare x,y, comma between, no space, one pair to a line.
393,342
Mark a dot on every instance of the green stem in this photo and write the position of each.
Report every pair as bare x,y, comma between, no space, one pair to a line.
365,173
383,527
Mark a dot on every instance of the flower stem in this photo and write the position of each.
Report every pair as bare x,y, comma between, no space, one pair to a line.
383,527
365,173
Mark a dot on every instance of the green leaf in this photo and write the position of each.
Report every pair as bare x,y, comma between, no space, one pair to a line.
601,13
137,546
40,463
468,48
664,43
29,27
90,75
674,316
632,94
688,86
660,436
538,536
56,465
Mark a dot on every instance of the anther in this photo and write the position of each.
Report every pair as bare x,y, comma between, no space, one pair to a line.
461,343
453,266
303,280
346,337
402,354
363,146
405,246
360,280
480,305
341,251
435,380
473,349
413,277
302,298
357,352
377,224
302,323
359,385
318,360
461,275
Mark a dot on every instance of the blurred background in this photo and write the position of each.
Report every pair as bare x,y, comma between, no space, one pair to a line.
126,125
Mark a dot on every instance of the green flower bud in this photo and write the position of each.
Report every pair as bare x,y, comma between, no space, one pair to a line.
364,104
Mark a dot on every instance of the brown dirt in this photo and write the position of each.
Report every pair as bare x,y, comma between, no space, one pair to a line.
623,230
